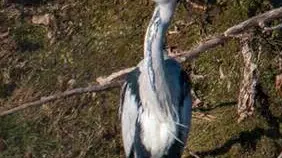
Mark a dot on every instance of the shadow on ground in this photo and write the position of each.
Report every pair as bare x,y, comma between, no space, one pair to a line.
210,108
249,139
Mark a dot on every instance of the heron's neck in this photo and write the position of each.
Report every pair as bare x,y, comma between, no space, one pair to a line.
154,43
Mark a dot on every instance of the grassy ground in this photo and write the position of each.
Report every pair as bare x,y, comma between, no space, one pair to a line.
93,38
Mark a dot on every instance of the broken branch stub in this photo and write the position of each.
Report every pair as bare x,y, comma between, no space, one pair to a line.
246,99
120,75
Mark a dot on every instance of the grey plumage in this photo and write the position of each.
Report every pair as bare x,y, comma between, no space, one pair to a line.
155,105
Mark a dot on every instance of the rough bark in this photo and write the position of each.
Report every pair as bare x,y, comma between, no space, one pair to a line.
278,78
247,95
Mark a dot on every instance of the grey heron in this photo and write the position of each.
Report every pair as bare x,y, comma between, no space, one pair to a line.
155,106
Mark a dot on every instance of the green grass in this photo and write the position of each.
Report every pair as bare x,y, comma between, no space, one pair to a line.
94,38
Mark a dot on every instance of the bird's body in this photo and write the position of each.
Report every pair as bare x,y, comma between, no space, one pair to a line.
155,101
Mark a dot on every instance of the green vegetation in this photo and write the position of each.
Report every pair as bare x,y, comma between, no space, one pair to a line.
29,38
94,38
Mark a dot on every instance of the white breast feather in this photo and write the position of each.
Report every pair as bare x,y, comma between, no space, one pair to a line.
156,136
158,131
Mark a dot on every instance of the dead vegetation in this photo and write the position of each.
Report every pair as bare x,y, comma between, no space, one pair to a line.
81,43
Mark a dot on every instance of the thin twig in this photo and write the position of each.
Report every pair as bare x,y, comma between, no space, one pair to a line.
200,115
120,74
258,20
277,27
202,47
193,154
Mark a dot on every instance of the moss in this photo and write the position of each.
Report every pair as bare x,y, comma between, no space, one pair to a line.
22,136
29,38
225,138
94,38
7,89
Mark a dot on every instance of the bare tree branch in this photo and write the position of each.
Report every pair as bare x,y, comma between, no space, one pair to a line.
200,115
212,42
277,27
120,74
43,100
259,20
114,79
202,47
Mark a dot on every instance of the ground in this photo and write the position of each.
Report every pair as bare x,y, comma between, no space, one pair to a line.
87,39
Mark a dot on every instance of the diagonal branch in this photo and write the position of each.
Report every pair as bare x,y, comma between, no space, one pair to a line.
277,27
77,91
258,20
202,47
212,42
114,79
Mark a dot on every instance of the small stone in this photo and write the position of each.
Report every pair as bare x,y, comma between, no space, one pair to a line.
41,19
49,35
94,95
71,83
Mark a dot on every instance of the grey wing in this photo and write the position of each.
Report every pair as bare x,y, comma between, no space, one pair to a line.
184,106
185,100
185,111
129,112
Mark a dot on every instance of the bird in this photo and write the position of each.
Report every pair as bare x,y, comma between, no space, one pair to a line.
155,102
